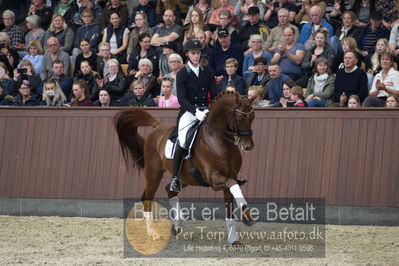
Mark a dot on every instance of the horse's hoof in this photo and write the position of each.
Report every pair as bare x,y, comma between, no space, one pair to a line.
176,230
237,244
246,217
248,222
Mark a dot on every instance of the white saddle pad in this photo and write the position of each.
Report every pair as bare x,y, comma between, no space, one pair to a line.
169,149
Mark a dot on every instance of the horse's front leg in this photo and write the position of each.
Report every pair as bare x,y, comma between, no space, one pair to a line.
235,190
230,219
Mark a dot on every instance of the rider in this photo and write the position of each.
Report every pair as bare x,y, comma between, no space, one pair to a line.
193,83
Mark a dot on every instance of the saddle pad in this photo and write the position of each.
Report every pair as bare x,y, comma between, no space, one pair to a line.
191,136
170,149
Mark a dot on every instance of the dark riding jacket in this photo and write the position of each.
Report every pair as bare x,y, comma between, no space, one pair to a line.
192,91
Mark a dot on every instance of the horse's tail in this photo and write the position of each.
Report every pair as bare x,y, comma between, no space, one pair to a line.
126,123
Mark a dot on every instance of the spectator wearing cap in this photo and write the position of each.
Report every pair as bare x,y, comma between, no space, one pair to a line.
316,22
251,27
241,10
35,31
12,30
271,15
276,36
25,97
374,31
224,5
170,33
222,51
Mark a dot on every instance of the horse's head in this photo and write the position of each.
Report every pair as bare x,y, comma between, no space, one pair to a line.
240,122
237,115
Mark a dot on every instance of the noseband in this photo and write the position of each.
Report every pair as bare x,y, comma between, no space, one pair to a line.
236,132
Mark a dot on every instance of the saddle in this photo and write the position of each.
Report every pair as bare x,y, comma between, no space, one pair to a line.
191,138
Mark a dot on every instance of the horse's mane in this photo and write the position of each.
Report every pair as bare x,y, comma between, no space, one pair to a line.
221,97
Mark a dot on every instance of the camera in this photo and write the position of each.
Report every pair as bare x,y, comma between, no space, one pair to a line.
22,70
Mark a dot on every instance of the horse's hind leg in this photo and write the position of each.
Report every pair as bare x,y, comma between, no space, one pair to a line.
153,173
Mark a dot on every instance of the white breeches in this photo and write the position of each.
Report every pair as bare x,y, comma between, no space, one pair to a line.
185,123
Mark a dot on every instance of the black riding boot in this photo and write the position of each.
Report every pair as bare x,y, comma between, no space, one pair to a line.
177,164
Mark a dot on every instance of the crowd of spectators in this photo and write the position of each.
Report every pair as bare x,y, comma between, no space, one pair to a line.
286,53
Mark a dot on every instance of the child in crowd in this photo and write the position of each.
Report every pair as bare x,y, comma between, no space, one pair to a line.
392,101
257,92
297,96
168,99
354,101
293,96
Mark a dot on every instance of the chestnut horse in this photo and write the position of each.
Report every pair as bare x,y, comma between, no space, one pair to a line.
216,155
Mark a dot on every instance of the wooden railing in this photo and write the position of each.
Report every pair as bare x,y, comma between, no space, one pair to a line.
348,157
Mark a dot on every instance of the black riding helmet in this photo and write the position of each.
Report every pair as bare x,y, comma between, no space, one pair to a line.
192,44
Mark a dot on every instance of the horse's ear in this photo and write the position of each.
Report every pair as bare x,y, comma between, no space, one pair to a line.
238,99
251,100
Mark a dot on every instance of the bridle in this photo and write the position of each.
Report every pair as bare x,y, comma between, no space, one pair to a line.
235,131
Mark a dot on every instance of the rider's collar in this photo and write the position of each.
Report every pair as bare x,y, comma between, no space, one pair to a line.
190,67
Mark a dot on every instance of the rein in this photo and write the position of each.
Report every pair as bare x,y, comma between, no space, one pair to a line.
236,133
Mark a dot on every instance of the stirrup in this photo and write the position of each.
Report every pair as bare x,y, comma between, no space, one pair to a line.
175,185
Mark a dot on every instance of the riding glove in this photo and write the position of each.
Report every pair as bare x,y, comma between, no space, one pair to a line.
200,115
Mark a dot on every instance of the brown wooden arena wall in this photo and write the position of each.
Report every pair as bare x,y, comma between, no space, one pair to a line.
348,157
